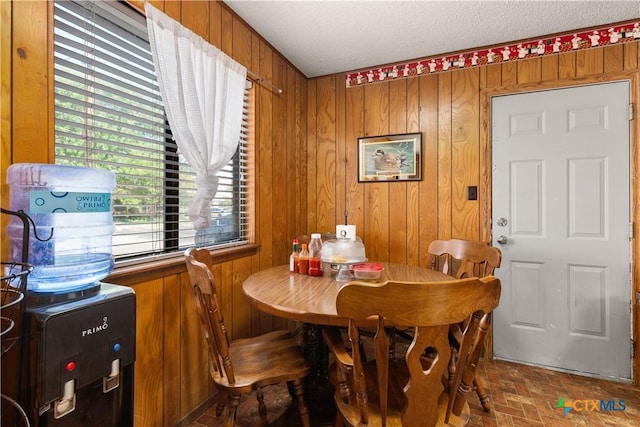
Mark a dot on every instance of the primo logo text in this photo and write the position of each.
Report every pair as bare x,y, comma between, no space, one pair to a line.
96,329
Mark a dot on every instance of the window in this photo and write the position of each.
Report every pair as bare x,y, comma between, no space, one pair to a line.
109,115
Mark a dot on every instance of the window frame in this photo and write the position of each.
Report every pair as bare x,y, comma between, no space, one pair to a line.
171,234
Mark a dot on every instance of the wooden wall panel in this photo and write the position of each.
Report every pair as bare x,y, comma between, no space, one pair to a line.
300,170
465,149
215,24
172,379
301,151
311,154
264,142
194,361
509,73
258,212
529,70
31,70
195,16
281,172
5,111
491,75
235,275
613,59
589,62
376,212
173,9
489,79
226,41
172,296
398,190
280,169
149,354
549,67
566,65
631,56
412,235
242,39
444,157
290,159
341,154
354,129
322,196
425,196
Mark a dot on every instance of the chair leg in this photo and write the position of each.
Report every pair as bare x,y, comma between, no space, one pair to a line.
392,332
234,401
221,402
342,384
362,352
262,408
302,407
452,364
482,394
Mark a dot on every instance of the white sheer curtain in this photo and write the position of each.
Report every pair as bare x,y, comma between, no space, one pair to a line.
202,89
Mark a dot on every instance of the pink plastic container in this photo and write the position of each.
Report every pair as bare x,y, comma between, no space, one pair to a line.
367,271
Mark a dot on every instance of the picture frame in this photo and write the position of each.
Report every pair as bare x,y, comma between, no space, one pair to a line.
390,158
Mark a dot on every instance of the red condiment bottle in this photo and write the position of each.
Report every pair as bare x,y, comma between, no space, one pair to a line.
303,260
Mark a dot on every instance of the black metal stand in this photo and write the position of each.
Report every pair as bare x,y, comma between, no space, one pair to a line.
14,331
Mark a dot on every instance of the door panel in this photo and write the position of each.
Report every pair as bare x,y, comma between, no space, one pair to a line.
527,296
527,198
587,201
561,179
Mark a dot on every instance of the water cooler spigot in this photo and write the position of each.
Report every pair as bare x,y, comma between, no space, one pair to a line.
67,403
112,381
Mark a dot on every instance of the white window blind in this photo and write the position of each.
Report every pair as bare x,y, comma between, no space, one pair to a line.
109,115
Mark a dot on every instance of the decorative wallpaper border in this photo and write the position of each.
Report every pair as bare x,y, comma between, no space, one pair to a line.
598,37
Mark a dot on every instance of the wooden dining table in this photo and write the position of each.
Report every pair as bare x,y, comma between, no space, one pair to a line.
312,299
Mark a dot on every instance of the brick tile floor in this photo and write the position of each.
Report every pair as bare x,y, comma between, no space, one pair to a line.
520,396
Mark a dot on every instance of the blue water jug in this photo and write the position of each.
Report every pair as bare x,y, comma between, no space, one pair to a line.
71,236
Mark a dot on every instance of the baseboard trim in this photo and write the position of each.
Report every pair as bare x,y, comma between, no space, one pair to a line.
197,411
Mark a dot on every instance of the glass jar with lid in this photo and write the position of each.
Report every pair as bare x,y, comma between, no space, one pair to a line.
343,251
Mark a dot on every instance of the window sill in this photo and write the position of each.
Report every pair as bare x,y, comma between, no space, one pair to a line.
130,275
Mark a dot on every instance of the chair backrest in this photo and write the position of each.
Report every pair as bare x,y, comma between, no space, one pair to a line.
430,308
199,264
464,258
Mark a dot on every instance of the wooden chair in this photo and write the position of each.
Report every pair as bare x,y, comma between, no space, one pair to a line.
244,365
465,258
414,390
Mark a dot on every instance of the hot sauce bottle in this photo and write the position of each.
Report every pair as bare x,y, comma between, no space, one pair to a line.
303,260
293,258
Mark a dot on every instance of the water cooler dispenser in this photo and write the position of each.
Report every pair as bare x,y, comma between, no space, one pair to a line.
78,333
82,353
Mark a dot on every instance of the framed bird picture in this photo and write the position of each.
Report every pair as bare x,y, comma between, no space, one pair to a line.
390,158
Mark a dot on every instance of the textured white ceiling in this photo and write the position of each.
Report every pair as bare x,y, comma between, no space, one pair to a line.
325,37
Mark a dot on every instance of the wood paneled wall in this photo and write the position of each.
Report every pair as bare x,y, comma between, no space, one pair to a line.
305,172
171,371
398,220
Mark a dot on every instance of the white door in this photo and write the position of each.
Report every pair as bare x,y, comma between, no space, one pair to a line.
561,201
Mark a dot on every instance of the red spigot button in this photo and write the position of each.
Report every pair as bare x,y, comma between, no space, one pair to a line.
70,366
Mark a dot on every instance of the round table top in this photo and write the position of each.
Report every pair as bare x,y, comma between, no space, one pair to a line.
312,299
